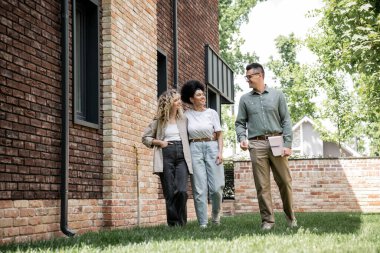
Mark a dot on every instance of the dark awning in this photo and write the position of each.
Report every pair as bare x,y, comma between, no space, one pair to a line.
220,76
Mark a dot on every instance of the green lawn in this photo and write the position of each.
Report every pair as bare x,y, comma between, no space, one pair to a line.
317,232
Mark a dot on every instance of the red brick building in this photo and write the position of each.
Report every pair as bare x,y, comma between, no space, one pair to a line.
79,83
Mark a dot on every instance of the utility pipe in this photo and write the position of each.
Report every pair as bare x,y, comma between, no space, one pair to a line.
138,186
175,44
65,117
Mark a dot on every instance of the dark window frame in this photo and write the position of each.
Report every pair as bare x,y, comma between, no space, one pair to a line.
162,72
213,99
86,67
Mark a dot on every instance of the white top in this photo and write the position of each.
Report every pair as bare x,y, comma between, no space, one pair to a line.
172,133
202,124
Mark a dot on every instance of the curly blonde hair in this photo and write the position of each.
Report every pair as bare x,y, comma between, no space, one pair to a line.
165,102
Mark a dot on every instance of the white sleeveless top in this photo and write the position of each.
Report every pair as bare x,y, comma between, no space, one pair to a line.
172,133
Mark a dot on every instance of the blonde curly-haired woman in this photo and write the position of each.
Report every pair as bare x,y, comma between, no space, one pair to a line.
167,135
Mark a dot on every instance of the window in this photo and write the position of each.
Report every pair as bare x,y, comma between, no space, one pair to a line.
212,100
86,63
162,79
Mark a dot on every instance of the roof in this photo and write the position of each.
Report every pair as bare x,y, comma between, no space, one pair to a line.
344,146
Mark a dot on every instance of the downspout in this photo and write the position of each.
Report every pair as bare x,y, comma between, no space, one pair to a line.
138,187
175,44
65,117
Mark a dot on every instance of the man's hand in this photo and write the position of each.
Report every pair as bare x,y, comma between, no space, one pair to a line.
286,151
244,145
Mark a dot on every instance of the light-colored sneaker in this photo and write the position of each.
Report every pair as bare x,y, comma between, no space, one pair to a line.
204,226
266,226
215,218
291,223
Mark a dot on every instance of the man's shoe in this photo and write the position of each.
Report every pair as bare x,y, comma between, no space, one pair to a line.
266,226
291,223
204,226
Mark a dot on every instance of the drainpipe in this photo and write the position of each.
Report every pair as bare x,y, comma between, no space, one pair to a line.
138,187
175,44
65,117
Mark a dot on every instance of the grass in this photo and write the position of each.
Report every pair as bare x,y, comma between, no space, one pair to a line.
317,232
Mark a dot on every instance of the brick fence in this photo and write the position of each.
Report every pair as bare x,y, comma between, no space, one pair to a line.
319,185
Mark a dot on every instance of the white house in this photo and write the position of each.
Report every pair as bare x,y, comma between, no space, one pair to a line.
308,143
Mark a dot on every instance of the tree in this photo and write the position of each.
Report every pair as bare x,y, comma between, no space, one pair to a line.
232,14
228,125
305,85
297,81
347,39
340,108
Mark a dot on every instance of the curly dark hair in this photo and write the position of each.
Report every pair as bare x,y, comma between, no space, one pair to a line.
189,88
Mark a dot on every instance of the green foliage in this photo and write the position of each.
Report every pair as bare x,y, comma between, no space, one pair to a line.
347,39
340,107
229,184
305,84
348,36
298,82
232,14
228,125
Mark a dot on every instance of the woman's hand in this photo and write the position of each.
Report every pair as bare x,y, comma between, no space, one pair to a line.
161,144
164,144
219,138
219,159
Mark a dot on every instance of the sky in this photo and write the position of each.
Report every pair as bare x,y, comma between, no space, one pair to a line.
272,18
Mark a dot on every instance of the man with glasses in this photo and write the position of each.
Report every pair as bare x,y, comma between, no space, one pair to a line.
264,113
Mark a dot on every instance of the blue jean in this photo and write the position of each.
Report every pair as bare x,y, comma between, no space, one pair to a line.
208,177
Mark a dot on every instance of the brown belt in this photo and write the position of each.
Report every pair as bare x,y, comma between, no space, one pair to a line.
202,139
213,138
264,137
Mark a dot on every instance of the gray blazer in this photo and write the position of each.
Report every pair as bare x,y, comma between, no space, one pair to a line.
156,131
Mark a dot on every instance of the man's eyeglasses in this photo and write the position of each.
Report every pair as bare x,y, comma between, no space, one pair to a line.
252,75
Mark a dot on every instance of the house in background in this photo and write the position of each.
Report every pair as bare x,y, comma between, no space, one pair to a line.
307,142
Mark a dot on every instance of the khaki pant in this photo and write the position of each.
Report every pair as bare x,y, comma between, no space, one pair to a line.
262,161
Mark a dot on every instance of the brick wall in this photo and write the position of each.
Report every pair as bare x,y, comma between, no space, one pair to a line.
30,114
319,185
203,17
129,40
165,36
30,100
24,220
